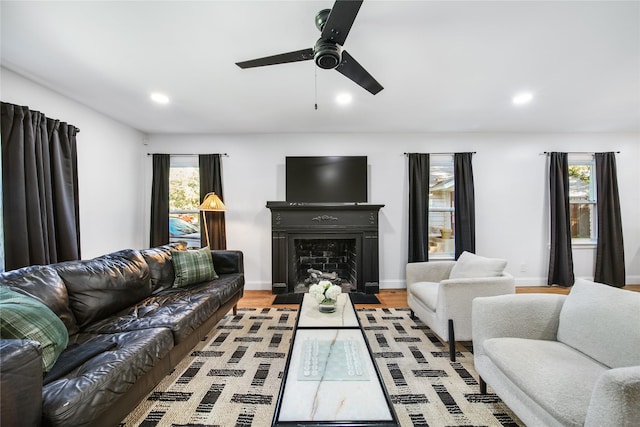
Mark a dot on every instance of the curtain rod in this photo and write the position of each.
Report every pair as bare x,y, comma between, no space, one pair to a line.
580,152
472,152
187,155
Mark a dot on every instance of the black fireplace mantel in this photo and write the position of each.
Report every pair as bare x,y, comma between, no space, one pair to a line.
294,220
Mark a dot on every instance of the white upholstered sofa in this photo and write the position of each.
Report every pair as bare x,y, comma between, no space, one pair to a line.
440,292
562,360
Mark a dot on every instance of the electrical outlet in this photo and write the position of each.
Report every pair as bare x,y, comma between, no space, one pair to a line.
523,268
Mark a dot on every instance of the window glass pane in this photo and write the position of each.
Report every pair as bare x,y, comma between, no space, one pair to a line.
184,199
441,185
441,238
582,220
184,189
580,183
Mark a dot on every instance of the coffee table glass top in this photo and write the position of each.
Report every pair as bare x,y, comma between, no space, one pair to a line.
344,316
331,378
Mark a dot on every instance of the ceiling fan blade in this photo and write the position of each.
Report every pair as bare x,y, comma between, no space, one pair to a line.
350,68
340,20
283,58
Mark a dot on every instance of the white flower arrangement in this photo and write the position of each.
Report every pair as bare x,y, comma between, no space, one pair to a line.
324,290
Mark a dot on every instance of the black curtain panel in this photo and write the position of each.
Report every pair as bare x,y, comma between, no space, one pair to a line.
211,181
39,188
561,257
609,267
418,207
465,211
159,233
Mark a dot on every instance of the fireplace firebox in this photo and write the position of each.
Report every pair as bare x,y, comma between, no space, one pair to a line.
332,257
340,238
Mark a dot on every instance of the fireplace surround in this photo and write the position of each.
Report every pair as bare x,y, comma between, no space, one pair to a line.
349,230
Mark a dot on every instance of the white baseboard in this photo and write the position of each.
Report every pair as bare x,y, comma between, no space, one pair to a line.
257,286
393,284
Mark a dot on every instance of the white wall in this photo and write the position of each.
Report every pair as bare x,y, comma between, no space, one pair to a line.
509,171
510,174
110,169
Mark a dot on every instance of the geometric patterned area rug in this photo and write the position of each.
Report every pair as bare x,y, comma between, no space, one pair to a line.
232,377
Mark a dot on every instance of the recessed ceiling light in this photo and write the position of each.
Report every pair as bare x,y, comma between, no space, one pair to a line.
160,98
344,98
522,98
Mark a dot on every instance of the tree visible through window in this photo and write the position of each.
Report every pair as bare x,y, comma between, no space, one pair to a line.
184,199
441,207
582,197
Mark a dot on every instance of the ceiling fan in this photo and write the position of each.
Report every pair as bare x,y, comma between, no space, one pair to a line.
334,25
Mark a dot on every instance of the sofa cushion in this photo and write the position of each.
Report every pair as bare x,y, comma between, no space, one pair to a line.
192,267
227,261
82,395
603,322
427,292
182,311
554,375
43,283
160,266
26,318
224,287
102,286
471,265
74,356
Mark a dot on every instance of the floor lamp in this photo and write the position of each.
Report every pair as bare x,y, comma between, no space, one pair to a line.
211,203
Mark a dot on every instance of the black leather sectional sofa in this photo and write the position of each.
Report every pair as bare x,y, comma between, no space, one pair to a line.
125,318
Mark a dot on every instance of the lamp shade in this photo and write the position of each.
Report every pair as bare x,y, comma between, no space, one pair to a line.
212,203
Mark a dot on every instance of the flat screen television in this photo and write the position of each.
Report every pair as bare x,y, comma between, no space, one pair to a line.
337,179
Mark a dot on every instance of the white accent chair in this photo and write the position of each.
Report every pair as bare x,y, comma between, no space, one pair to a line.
440,293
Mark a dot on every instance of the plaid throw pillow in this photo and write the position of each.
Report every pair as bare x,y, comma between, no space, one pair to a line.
26,318
192,267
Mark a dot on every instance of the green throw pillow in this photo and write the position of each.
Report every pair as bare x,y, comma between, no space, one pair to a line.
25,318
192,267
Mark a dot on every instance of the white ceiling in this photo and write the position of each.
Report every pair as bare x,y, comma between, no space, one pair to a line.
446,66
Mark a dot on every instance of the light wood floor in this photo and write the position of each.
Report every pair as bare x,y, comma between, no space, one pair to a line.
391,298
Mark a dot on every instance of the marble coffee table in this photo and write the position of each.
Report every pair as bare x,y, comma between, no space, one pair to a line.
330,377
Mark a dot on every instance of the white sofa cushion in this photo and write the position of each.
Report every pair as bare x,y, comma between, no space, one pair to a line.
554,375
473,266
602,322
427,293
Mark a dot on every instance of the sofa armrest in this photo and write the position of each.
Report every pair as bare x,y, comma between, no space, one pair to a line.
20,382
430,271
615,397
227,261
532,316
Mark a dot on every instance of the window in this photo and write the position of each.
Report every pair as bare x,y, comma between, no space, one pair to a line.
441,207
184,199
582,198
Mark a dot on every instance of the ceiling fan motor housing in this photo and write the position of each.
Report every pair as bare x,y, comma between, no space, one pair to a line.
327,54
